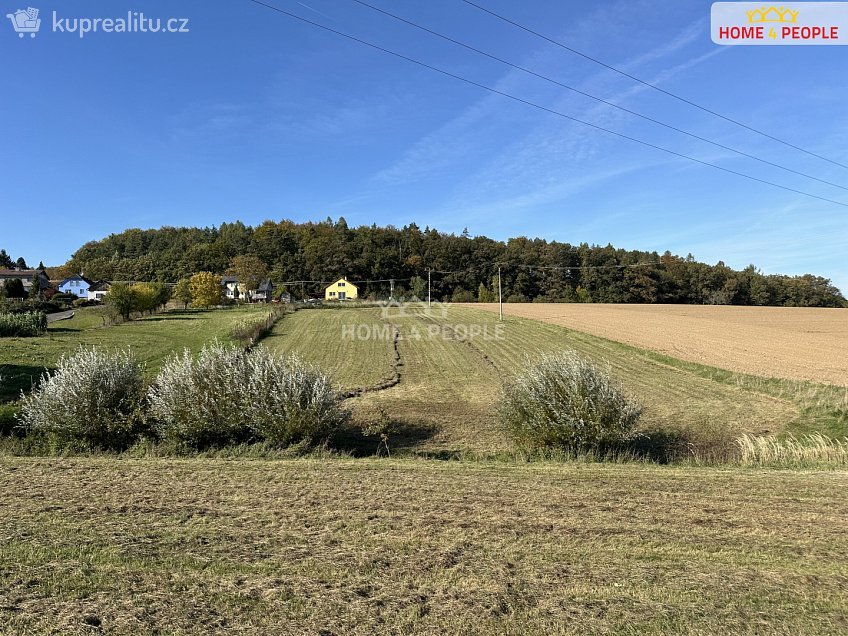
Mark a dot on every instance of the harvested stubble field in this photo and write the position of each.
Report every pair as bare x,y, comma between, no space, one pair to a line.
783,342
335,546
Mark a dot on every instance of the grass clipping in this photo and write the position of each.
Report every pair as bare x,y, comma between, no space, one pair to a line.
564,402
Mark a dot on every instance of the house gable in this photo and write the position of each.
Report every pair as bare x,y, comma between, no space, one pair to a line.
342,289
77,285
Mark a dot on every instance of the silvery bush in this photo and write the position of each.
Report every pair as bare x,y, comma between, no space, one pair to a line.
563,401
93,399
227,395
290,401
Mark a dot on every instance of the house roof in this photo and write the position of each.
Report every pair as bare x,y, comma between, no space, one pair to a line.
341,280
229,279
266,285
101,285
76,277
19,273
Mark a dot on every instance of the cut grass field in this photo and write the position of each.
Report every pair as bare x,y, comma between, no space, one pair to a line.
152,339
335,546
318,336
331,545
450,380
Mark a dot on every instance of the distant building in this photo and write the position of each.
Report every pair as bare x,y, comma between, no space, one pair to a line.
234,290
77,285
264,292
98,290
25,276
341,290
231,287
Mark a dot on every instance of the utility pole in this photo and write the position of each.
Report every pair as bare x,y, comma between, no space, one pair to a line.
429,272
392,289
500,294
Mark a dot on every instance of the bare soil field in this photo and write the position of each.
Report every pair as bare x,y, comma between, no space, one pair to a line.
785,342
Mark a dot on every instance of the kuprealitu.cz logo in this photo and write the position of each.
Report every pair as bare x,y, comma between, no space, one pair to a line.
28,22
25,21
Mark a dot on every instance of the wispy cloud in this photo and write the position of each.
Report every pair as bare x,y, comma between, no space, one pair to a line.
314,10
533,153
209,120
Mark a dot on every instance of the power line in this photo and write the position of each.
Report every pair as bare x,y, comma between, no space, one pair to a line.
650,85
594,97
540,107
573,267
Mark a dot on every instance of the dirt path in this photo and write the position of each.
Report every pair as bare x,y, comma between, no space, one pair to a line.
61,315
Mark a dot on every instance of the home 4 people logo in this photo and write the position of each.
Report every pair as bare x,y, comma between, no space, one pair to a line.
25,21
801,23
414,307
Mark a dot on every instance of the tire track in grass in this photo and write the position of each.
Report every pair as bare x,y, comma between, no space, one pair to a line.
394,380
469,342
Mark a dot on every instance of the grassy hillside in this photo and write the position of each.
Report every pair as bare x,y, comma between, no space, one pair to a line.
367,547
152,339
437,378
449,381
318,336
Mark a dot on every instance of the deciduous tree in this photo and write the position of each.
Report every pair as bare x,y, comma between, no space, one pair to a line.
249,270
206,290
182,292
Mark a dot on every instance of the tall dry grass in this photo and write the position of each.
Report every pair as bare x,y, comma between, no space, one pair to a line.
249,331
808,450
830,398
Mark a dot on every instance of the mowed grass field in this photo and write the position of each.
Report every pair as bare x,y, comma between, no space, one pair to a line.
370,546
799,343
152,339
331,545
452,367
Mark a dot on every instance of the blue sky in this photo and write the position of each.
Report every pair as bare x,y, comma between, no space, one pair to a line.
254,116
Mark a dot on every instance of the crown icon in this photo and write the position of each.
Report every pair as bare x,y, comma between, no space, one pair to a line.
772,14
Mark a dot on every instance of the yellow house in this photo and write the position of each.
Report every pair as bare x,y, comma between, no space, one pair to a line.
341,290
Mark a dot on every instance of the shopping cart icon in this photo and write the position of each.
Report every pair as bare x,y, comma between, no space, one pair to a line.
25,21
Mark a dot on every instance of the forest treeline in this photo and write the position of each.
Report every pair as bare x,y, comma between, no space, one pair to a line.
464,267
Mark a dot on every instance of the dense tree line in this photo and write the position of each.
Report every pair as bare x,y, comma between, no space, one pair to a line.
464,267
124,300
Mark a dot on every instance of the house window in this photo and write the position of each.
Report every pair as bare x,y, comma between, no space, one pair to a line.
341,295
341,284
332,293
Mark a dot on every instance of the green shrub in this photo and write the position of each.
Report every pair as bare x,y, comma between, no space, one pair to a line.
229,396
31,304
564,402
462,296
92,400
27,324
